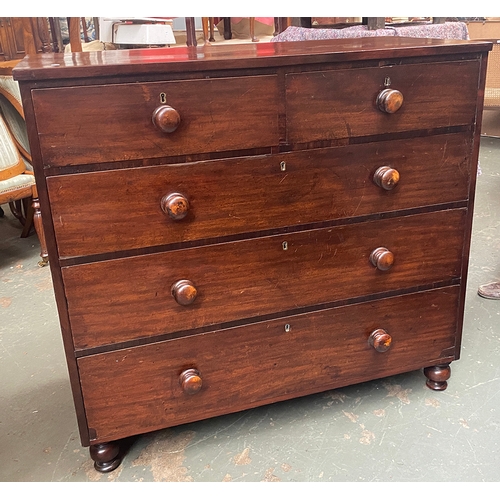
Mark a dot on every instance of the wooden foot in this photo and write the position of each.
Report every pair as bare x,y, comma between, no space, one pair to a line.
437,377
105,456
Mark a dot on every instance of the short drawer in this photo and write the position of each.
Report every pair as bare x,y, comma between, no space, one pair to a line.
141,389
242,195
107,123
336,104
135,297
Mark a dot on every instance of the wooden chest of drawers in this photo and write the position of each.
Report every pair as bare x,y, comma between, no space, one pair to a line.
238,225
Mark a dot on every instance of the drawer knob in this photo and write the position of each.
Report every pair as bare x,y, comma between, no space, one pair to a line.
389,100
191,381
382,258
184,292
175,205
166,119
386,177
380,340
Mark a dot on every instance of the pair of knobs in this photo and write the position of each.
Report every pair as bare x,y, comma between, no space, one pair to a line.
176,205
191,381
167,119
185,292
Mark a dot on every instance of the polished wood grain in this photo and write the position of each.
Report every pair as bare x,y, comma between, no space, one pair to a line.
325,105
115,122
261,276
241,195
137,62
137,390
231,226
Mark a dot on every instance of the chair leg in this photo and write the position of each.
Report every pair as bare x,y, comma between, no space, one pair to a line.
252,29
28,225
211,29
37,219
204,24
190,32
227,28
16,208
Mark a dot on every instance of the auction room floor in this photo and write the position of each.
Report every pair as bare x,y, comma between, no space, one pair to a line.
391,430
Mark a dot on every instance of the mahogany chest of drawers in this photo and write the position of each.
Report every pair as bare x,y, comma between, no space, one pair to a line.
230,226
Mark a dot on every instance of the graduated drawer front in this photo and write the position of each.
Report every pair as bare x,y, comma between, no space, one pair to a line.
106,123
129,298
137,390
338,104
241,195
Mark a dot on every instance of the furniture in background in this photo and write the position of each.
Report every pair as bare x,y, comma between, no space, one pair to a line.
23,35
255,222
489,29
208,23
450,30
19,37
372,23
18,188
492,90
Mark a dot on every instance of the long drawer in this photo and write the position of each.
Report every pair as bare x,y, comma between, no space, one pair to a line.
241,195
325,105
141,389
153,294
106,123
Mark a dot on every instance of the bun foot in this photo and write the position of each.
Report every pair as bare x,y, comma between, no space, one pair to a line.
105,456
437,377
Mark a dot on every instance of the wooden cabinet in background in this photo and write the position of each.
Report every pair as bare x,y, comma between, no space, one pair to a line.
23,35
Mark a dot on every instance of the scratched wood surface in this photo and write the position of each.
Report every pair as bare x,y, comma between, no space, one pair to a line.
261,241
310,187
254,277
136,390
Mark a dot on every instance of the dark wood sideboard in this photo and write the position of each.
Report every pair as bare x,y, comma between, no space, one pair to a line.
231,226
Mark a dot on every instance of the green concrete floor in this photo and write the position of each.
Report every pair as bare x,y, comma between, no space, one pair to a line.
390,430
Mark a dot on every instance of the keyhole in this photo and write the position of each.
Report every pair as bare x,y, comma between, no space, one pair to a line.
163,98
287,328
285,245
387,81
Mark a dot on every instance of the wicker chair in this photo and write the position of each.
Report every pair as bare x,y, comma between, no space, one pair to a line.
492,89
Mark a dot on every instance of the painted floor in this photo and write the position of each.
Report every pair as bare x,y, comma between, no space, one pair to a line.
390,430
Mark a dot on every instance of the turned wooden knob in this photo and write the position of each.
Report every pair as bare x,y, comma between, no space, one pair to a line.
380,340
389,100
166,119
175,205
190,381
184,292
386,177
382,258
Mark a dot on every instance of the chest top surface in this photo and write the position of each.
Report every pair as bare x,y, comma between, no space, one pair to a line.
204,58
